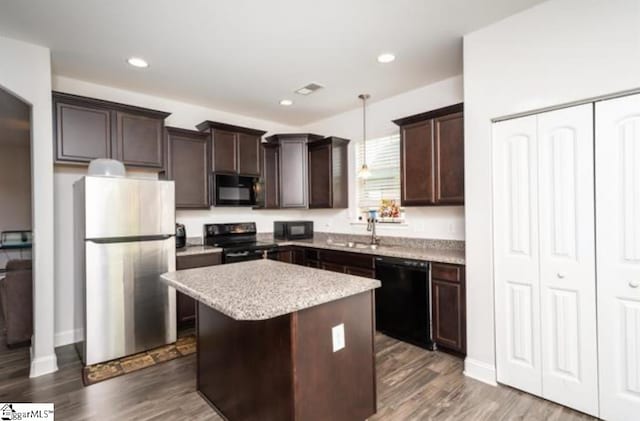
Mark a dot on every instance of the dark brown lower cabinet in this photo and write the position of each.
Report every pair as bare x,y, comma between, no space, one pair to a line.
449,307
365,273
332,267
284,368
186,306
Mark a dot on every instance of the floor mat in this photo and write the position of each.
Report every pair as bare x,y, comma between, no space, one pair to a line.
96,373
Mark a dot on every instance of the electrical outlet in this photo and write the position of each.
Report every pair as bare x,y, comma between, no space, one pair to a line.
337,335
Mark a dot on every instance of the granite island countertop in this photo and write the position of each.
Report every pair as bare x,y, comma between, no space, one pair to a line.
264,289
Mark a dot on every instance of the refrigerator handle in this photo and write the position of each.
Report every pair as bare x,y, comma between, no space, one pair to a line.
130,239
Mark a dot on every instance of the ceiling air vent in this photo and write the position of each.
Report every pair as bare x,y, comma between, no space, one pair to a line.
309,89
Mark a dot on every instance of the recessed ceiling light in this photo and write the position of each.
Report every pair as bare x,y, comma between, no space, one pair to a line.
286,102
386,58
137,62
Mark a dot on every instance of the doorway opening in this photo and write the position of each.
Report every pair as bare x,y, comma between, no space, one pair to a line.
16,280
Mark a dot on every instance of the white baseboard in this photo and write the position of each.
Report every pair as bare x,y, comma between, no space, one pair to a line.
68,337
480,371
43,365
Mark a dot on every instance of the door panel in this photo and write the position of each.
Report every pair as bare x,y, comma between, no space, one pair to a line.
567,258
293,173
188,166
248,154
448,137
320,176
83,133
139,140
128,307
119,207
417,166
271,176
225,158
515,185
618,255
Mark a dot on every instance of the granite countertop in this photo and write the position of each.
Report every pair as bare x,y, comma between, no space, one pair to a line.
264,289
193,249
431,254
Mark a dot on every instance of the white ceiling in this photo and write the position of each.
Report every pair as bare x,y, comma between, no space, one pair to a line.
244,56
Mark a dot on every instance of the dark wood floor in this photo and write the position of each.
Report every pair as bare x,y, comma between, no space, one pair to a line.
413,384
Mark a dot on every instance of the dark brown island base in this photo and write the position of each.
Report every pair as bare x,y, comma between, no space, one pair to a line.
278,341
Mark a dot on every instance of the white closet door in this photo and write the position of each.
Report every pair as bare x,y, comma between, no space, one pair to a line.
618,255
517,307
567,258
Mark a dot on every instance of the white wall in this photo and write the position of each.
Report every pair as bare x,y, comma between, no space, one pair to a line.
26,72
557,52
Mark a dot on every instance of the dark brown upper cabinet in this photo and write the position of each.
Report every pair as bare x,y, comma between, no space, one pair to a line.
139,140
432,157
269,196
235,150
292,169
88,128
328,173
188,165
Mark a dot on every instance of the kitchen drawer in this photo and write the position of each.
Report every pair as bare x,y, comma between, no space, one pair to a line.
365,273
446,272
198,260
347,259
311,254
332,267
312,263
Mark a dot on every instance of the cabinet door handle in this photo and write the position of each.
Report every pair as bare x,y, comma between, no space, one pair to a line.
634,284
560,275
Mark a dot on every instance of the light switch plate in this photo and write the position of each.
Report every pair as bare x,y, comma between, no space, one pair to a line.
337,334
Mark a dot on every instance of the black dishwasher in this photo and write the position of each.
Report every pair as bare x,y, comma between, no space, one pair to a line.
402,302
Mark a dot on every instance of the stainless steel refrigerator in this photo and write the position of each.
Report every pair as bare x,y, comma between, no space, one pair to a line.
124,241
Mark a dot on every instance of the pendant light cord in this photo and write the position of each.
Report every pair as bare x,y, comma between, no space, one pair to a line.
364,98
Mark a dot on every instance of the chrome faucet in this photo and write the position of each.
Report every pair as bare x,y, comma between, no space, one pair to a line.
371,226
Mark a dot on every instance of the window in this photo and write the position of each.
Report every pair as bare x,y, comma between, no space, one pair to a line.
383,160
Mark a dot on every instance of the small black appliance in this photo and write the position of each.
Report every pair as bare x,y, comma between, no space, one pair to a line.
234,190
181,236
293,230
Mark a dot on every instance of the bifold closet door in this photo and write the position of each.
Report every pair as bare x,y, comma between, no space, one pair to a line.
544,256
516,254
618,251
567,258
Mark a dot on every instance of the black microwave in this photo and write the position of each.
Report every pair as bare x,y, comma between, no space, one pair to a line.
234,190
292,230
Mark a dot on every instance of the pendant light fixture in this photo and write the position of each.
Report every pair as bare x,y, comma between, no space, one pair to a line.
364,169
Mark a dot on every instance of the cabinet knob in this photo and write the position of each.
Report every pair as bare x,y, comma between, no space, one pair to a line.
634,284
560,275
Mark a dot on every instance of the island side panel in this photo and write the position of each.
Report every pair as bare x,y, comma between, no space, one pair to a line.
337,385
245,368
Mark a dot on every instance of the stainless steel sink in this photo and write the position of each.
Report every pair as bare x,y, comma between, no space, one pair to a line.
354,245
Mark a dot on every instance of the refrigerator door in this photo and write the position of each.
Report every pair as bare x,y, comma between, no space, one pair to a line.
127,207
128,307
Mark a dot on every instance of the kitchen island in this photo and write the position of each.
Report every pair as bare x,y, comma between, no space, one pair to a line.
278,341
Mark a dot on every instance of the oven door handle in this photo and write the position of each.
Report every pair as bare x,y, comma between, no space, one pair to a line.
243,254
